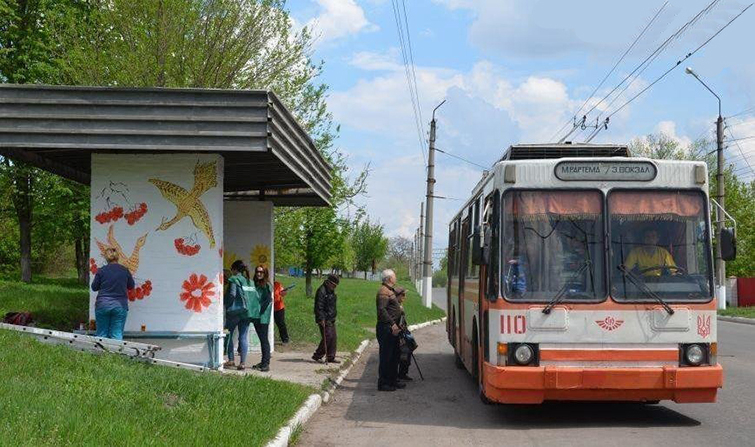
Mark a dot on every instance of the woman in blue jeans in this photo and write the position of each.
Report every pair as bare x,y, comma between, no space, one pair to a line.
111,306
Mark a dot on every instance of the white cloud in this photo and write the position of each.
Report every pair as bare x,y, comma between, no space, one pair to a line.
669,129
338,19
371,61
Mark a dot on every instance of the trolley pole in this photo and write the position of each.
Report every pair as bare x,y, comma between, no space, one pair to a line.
427,277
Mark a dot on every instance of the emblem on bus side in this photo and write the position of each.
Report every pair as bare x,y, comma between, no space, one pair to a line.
609,323
703,325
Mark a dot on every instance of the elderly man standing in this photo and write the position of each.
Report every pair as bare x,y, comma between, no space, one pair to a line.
325,317
387,330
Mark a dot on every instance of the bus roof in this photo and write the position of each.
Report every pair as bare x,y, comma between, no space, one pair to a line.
555,150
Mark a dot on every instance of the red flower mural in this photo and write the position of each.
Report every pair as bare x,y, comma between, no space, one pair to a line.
198,292
140,292
92,266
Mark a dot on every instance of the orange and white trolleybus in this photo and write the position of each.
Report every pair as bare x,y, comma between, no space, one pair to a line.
577,274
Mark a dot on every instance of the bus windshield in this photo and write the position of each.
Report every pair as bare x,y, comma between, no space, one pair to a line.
659,246
553,246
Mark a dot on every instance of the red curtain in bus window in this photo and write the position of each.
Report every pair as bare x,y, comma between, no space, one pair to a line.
630,203
531,204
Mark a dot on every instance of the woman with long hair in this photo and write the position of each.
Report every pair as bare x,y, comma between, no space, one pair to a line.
262,299
111,283
238,312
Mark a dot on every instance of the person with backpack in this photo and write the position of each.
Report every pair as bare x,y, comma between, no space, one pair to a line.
238,312
111,283
262,306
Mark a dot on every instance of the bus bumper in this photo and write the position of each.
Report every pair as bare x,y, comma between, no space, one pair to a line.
533,385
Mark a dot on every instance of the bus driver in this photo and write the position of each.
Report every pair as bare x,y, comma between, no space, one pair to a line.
650,258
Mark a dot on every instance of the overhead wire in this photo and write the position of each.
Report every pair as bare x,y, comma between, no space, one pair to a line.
751,109
610,72
412,88
679,62
461,158
650,58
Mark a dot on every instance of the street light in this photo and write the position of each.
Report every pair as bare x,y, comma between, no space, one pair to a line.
720,210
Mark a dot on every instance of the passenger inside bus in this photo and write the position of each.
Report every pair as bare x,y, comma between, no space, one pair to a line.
650,259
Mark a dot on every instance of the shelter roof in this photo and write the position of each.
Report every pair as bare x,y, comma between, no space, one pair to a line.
267,153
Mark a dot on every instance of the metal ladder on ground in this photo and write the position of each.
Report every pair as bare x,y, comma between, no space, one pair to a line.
87,343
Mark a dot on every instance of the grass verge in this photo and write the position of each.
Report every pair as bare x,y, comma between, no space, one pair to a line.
55,396
54,303
746,312
357,314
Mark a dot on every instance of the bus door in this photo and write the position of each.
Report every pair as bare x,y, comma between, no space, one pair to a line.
461,268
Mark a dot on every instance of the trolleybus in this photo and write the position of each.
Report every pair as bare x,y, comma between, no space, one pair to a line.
577,272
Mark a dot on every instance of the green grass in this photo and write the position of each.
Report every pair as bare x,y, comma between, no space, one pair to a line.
356,311
54,303
747,312
52,395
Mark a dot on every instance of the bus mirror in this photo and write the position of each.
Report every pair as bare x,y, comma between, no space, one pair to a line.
728,244
477,256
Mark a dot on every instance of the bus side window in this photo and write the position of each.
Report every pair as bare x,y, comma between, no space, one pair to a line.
493,205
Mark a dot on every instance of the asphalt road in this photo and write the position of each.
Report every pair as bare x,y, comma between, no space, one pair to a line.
445,409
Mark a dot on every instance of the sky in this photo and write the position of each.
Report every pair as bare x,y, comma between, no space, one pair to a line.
517,71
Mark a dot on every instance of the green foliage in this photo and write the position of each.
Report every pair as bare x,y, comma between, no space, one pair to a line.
53,395
370,245
740,196
440,276
745,312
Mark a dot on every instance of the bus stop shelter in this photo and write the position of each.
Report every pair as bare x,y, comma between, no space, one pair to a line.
183,182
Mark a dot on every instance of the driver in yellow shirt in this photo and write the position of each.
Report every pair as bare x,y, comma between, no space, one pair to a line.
650,255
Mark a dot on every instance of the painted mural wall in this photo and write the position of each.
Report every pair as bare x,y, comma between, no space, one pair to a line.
248,235
164,215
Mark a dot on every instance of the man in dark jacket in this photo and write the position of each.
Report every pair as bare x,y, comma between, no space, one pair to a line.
325,317
387,330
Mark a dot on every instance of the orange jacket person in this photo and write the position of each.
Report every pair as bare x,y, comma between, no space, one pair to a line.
279,311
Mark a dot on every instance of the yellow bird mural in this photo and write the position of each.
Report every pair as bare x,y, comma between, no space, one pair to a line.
130,262
188,203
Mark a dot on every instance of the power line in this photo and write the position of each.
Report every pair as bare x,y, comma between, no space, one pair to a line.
610,72
412,92
751,109
462,159
649,59
679,62
411,57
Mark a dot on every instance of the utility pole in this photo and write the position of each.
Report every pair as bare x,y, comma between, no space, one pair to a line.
421,257
427,277
720,215
720,209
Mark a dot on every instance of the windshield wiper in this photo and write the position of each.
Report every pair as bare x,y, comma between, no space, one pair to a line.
643,287
562,293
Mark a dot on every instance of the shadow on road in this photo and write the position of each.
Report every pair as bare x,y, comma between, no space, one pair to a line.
448,397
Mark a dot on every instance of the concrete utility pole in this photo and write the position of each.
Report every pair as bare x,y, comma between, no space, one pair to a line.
427,277
421,257
720,209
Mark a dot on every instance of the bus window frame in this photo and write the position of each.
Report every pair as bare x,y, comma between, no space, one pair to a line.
493,295
606,277
709,254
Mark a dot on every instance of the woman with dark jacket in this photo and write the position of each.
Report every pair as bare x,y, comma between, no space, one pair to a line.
237,295
262,303
111,283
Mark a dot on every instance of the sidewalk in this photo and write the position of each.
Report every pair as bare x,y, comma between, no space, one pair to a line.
294,366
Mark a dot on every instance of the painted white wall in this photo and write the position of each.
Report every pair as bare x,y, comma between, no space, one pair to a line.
248,233
123,180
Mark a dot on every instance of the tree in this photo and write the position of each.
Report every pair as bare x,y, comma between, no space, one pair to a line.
740,196
30,53
399,256
370,246
440,276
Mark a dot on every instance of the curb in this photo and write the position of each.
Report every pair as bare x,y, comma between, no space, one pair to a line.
315,401
741,320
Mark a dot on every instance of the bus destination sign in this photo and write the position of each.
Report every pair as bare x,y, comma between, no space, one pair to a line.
625,171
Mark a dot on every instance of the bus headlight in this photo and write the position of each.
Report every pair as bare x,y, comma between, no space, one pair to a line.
524,354
694,355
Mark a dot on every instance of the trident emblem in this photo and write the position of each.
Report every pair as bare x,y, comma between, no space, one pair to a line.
703,325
